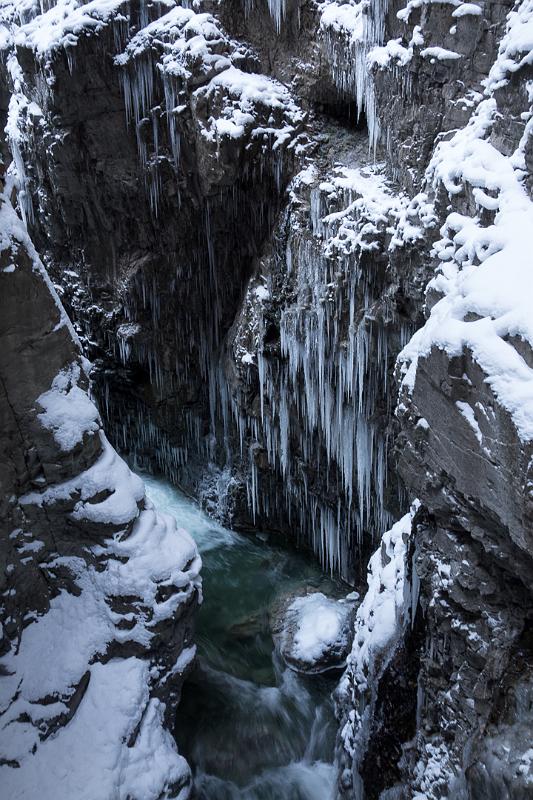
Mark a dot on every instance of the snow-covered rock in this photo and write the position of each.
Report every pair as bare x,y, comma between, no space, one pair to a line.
98,589
387,608
433,717
314,632
265,343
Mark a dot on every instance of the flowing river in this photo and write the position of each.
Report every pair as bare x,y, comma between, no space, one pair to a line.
251,728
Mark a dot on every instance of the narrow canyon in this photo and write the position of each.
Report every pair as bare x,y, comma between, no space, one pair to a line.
266,400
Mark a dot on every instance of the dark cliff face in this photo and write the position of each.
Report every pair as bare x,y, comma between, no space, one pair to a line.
151,257
151,225
242,212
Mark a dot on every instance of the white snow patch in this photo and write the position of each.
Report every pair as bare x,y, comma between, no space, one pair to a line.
516,47
388,607
469,415
319,625
64,22
68,411
89,758
467,9
261,292
383,610
343,18
439,54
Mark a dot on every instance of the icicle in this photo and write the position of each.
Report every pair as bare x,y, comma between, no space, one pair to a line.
350,70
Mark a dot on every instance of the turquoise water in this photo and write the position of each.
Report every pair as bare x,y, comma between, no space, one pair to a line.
250,728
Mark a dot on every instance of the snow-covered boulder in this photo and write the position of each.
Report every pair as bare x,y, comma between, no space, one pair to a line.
314,632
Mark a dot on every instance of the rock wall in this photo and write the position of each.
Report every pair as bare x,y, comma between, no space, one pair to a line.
98,590
149,213
459,646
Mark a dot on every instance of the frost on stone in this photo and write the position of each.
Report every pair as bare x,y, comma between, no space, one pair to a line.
245,94
404,13
439,54
402,55
13,238
516,47
394,51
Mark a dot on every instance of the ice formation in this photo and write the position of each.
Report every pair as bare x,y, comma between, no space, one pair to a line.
170,63
277,9
199,65
351,32
182,66
323,394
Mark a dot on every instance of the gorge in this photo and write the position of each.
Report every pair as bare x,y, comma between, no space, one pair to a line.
271,257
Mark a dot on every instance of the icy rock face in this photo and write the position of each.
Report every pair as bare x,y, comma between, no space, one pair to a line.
314,633
184,148
465,446
382,620
318,331
246,273
197,147
98,589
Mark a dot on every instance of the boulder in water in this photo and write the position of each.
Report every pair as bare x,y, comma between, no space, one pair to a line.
314,633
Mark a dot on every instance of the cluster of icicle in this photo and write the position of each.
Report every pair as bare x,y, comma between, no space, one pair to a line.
277,9
156,68
350,31
318,401
139,74
184,53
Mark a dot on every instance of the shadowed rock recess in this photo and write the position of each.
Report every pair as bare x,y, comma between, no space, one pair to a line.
294,240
